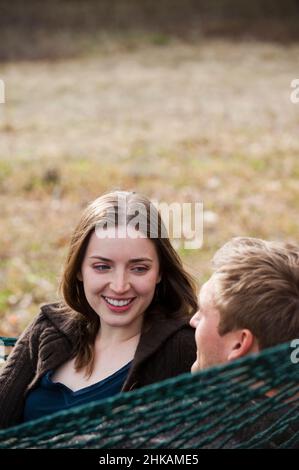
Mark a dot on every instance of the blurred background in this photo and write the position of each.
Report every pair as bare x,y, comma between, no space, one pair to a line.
181,100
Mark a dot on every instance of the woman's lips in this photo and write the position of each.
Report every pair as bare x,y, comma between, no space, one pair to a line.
116,308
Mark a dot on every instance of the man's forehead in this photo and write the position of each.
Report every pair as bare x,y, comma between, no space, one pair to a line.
206,293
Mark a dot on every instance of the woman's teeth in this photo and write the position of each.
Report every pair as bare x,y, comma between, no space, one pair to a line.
118,303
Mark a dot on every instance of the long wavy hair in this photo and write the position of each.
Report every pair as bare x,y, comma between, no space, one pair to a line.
175,295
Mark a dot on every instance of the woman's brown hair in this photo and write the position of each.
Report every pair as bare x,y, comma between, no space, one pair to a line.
175,294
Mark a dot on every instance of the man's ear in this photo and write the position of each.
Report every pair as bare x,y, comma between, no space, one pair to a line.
243,343
79,276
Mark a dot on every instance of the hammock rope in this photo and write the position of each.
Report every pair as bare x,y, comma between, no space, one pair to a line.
249,403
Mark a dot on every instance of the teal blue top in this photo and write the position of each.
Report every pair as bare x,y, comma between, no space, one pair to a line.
49,397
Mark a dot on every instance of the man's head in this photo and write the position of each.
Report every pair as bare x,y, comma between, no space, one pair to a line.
251,302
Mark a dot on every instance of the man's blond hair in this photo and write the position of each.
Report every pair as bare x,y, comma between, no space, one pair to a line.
257,287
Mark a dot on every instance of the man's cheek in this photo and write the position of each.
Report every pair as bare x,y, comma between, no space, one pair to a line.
197,338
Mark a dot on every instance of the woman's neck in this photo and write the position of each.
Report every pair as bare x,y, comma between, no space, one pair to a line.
110,336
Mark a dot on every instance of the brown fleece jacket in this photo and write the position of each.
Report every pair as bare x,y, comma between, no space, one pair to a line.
165,350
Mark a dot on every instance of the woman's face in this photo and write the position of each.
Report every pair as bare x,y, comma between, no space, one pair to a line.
119,277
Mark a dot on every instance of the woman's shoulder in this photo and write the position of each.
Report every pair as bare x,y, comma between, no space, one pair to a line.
183,332
180,335
168,332
175,325
38,322
52,316
172,348
45,316
58,316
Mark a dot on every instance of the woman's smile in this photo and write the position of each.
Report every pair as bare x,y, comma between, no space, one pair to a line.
118,305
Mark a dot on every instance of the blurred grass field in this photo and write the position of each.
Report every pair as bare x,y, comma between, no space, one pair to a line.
207,120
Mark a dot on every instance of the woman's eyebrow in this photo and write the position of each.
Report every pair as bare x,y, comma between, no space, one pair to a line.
133,260
101,258
139,260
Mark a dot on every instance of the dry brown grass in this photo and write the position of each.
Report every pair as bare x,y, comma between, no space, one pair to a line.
207,121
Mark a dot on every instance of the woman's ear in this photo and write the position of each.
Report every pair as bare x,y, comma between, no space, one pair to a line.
243,343
79,276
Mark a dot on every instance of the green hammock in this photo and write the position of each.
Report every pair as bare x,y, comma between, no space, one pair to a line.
249,403
6,342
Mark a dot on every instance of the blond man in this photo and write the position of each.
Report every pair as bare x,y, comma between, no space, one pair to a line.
251,301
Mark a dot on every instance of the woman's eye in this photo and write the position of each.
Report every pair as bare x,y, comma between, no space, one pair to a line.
140,269
102,267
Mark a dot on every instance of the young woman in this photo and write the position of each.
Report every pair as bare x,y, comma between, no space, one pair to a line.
122,322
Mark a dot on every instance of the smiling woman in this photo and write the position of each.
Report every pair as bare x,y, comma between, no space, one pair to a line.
122,279
122,322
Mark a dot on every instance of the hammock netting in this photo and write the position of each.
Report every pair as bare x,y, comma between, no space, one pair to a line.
249,403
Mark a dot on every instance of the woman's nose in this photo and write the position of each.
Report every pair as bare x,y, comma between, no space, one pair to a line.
120,283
